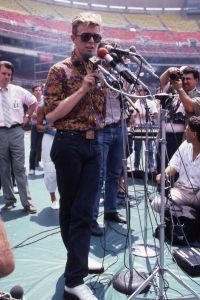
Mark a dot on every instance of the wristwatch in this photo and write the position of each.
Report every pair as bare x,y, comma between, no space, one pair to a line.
27,115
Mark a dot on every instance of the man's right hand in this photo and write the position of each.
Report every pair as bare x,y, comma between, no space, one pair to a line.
89,82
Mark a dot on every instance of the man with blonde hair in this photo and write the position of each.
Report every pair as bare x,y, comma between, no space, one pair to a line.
75,105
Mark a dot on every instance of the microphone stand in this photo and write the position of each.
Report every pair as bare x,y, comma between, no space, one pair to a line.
145,250
129,280
161,269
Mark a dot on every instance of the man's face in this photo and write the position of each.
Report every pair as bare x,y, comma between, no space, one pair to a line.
38,92
190,135
85,46
5,76
189,82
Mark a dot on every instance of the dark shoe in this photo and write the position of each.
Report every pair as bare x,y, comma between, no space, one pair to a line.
8,206
96,230
114,217
30,208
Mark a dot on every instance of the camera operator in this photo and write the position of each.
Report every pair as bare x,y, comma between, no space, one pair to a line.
184,82
175,123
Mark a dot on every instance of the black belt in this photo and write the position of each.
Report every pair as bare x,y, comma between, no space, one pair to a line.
112,125
88,134
12,126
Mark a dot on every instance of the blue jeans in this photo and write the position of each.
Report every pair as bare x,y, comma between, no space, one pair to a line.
137,149
36,141
77,168
111,147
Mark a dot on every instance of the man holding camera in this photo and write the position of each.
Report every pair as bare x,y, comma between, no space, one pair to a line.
186,102
184,82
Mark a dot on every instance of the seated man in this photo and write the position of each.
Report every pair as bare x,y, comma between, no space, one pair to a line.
6,256
186,161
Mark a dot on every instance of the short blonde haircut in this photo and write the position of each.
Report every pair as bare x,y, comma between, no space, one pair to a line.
88,18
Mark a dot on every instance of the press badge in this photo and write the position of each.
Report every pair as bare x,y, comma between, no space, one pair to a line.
16,104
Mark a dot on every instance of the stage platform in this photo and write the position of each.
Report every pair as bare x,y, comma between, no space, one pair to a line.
40,255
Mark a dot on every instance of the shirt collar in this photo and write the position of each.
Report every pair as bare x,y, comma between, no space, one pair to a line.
4,88
75,60
191,92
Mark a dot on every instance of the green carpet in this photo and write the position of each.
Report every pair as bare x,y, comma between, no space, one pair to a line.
40,255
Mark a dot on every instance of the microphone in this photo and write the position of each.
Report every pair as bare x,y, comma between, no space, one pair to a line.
120,68
134,57
91,60
145,64
133,50
117,50
95,63
17,292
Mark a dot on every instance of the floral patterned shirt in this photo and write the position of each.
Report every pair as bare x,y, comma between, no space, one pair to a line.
63,80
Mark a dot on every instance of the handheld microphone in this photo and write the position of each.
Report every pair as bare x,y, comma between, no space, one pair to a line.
95,63
120,68
17,292
91,60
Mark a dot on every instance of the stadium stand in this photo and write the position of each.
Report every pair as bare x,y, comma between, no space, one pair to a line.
12,5
40,9
145,21
178,23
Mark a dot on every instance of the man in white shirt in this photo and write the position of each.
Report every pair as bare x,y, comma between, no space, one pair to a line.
12,118
186,161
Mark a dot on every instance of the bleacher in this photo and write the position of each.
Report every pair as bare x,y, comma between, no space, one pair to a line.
179,24
115,26
12,5
144,21
40,9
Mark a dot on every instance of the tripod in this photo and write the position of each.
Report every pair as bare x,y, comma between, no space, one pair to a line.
161,270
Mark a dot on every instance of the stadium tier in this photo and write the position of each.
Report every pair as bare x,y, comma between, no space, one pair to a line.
38,34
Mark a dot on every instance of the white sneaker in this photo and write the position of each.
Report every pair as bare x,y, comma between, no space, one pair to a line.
80,292
55,205
15,190
31,172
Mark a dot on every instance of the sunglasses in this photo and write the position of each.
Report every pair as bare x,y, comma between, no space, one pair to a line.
86,36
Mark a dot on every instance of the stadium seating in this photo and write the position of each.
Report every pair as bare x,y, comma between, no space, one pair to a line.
148,41
177,23
145,21
12,5
40,9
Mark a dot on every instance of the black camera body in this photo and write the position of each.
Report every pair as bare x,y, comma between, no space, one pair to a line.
176,76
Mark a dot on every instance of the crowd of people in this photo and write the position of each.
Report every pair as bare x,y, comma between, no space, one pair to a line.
78,130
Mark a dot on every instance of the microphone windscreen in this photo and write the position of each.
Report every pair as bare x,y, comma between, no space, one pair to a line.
132,49
17,292
87,55
102,52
